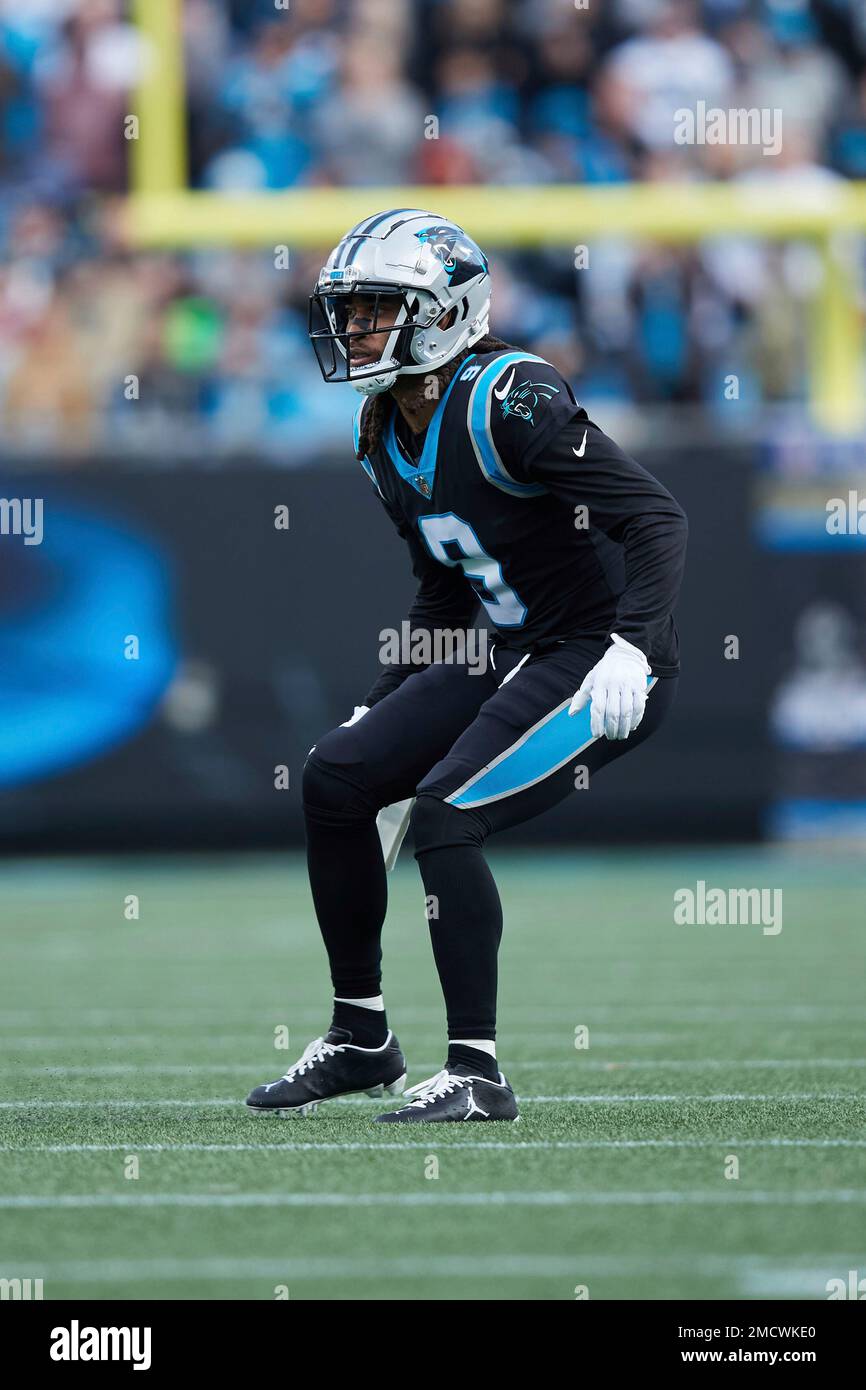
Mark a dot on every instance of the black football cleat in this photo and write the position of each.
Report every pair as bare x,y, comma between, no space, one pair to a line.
455,1094
332,1066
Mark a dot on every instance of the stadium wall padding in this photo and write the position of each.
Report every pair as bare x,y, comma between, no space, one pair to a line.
253,640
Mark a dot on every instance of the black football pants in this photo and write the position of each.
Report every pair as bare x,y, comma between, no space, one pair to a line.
481,752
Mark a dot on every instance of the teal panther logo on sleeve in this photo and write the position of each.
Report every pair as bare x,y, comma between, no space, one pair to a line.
524,399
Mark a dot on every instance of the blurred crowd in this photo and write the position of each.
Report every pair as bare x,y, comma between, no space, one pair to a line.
103,348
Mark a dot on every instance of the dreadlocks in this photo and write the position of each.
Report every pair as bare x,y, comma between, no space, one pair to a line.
374,415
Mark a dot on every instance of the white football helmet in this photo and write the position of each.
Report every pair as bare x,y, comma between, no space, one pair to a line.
425,263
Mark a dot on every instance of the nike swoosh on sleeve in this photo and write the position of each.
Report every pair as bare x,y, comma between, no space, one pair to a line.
582,450
500,395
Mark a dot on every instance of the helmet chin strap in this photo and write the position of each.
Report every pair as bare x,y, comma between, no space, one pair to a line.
383,381
375,385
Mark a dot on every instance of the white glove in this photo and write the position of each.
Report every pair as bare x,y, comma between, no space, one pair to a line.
617,687
360,711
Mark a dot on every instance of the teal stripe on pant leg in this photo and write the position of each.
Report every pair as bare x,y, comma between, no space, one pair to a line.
548,746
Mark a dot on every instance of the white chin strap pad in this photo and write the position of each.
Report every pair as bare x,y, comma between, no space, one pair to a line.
375,385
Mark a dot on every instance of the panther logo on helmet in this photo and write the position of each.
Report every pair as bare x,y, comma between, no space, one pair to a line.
460,257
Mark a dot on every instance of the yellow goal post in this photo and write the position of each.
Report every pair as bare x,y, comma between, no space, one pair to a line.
163,212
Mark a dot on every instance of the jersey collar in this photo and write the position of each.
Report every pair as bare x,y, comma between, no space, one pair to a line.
421,475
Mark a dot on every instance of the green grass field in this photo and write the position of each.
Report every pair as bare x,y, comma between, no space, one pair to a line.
140,1039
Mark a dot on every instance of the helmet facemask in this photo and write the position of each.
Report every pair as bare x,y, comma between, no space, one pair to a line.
412,338
336,334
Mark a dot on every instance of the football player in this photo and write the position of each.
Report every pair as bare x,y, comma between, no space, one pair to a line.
507,494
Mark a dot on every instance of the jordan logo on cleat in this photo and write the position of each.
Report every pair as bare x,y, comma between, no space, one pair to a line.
475,1109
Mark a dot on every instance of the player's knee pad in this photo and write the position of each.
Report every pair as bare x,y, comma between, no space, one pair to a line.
435,824
334,790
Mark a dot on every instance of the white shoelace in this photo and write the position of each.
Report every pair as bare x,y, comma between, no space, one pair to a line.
442,1084
317,1051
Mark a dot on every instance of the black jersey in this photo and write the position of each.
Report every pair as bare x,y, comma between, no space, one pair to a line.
517,499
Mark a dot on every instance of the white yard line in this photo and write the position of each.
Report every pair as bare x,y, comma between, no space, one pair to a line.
809,1271
360,1146
728,1197
695,1063
607,1009
603,1098
574,1064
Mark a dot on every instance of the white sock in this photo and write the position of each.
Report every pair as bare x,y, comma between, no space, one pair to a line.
480,1045
375,1001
